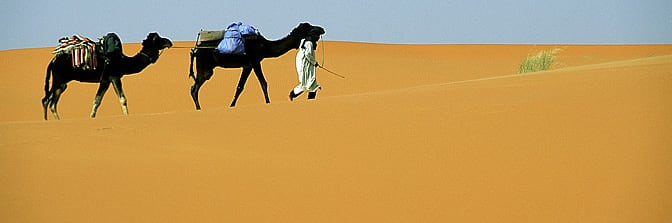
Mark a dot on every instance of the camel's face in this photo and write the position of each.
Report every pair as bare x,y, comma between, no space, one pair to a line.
316,31
157,42
306,29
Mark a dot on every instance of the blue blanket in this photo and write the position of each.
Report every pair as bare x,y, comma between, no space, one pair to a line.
234,38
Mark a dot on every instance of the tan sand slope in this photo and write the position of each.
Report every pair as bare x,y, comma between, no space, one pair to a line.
415,133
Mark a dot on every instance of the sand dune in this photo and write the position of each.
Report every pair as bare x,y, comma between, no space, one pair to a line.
415,133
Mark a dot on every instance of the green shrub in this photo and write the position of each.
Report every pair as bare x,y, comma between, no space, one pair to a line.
538,62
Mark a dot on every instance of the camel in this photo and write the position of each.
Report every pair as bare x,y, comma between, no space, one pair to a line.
63,72
207,59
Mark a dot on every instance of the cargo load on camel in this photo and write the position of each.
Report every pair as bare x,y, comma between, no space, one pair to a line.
86,53
228,41
82,49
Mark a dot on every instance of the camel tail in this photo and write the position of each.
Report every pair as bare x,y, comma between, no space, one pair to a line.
47,78
191,64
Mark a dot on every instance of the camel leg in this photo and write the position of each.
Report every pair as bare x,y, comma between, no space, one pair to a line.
102,88
194,93
199,80
46,100
56,95
262,82
116,83
241,84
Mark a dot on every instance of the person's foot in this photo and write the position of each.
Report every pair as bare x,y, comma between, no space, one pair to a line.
312,95
292,95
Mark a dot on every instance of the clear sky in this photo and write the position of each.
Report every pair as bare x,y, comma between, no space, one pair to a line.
40,23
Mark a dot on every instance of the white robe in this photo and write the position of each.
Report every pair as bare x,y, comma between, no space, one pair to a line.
305,67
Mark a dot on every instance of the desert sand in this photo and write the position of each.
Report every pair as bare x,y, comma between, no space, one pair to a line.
414,133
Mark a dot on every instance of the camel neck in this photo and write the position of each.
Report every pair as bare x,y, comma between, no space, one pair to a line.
280,47
140,61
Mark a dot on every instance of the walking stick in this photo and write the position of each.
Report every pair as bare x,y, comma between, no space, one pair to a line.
331,72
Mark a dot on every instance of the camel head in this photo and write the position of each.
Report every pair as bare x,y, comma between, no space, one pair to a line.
305,30
156,42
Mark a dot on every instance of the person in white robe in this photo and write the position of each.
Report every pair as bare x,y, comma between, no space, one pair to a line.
305,68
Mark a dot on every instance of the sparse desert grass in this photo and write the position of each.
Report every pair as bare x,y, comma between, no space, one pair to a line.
538,62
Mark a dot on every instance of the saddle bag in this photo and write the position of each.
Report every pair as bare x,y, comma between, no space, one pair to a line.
208,38
82,51
228,41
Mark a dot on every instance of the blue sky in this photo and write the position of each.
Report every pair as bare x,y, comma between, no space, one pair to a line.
39,23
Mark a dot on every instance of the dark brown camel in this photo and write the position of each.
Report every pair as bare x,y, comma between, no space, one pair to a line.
63,72
256,50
